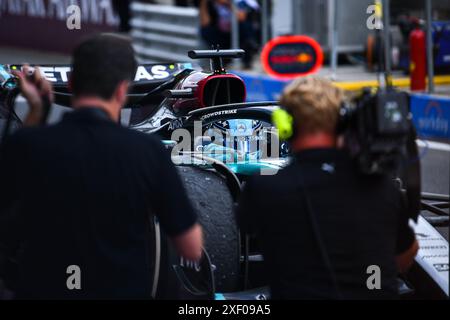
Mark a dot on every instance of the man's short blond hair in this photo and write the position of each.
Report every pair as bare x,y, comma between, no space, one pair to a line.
314,102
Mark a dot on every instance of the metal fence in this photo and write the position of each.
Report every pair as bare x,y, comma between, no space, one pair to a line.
164,33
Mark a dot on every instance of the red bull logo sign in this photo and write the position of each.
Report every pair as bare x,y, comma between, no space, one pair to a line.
291,56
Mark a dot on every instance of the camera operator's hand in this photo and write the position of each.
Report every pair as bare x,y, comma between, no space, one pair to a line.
35,88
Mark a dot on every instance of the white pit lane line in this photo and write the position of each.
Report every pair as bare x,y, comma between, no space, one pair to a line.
433,145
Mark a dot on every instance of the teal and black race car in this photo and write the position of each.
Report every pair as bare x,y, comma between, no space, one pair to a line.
217,141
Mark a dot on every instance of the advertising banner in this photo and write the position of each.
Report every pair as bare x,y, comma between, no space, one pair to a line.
431,115
53,25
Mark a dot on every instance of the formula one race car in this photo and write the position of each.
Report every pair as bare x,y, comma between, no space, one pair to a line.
217,140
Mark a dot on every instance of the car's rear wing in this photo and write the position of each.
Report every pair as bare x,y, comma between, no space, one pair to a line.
147,78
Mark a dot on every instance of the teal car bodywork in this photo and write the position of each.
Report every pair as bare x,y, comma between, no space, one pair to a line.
259,167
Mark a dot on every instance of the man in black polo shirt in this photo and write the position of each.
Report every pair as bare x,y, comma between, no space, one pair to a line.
80,193
320,224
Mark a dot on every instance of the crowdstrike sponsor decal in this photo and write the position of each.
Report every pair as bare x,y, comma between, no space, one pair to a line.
218,113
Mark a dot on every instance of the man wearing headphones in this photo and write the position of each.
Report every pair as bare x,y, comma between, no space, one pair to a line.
321,225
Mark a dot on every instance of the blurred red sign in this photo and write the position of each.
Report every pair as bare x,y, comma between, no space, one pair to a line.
291,56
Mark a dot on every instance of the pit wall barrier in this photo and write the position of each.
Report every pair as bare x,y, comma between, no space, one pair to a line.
431,113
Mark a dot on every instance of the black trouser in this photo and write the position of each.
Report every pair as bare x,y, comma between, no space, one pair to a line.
213,37
122,7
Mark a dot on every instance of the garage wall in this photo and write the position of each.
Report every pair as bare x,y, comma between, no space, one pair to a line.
42,24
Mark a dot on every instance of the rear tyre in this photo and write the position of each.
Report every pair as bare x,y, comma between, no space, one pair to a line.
213,202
